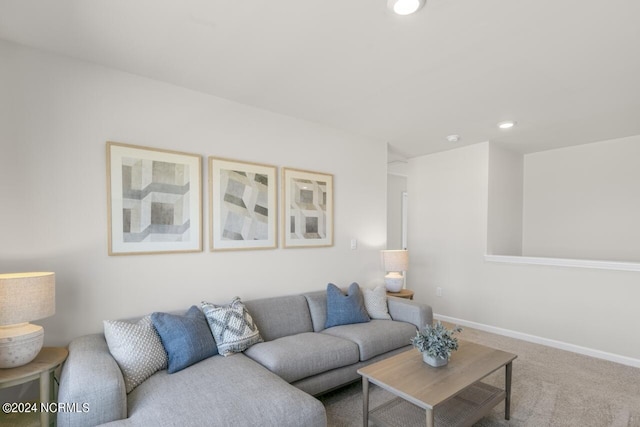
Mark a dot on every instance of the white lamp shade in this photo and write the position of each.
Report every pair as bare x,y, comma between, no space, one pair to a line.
396,260
25,297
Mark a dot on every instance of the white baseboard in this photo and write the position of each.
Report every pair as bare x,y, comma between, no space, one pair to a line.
624,360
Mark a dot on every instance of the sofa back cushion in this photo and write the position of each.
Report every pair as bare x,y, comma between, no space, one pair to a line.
317,302
280,316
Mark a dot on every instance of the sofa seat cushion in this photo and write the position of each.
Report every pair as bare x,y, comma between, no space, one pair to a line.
375,337
302,355
221,391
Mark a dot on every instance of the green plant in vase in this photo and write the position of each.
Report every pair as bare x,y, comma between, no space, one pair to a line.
436,343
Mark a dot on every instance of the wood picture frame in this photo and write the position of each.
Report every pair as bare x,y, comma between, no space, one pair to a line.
307,208
242,205
154,200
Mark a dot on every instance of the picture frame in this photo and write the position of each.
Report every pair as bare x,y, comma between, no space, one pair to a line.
154,200
242,205
307,208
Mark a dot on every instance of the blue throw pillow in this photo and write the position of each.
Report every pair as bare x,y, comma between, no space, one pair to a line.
187,339
345,309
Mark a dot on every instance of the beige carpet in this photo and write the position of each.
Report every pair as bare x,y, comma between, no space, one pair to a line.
550,387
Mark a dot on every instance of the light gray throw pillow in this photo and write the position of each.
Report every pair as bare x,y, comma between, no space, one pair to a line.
137,349
375,301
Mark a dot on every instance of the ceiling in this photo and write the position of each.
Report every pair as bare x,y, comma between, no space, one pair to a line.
567,71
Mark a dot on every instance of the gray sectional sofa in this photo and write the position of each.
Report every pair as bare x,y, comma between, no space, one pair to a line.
271,384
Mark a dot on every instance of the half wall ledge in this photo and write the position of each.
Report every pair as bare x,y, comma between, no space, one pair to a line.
563,262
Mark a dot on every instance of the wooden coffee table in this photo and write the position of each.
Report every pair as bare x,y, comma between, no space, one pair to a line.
452,395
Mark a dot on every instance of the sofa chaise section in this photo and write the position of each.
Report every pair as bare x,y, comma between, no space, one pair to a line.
221,391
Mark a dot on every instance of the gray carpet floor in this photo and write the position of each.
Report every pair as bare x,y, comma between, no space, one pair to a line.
550,387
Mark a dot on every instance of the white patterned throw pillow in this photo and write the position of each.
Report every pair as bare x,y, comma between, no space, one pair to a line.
137,349
375,301
232,326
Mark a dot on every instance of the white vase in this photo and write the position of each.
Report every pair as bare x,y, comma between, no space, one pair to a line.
394,282
436,362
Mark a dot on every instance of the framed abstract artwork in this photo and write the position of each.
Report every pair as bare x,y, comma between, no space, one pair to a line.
307,208
242,205
154,200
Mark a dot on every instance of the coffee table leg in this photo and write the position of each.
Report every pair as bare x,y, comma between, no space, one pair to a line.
365,402
430,422
507,389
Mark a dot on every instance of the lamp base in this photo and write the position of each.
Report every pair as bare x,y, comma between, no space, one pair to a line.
394,281
19,344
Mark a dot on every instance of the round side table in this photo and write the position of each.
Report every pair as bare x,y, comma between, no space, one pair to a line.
404,293
41,368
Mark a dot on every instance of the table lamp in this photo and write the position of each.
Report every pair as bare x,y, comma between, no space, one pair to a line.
24,297
395,263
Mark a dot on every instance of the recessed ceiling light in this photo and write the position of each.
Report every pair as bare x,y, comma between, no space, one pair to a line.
507,124
453,138
405,7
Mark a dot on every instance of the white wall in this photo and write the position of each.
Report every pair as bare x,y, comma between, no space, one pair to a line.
56,115
504,222
583,202
595,309
396,185
447,228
